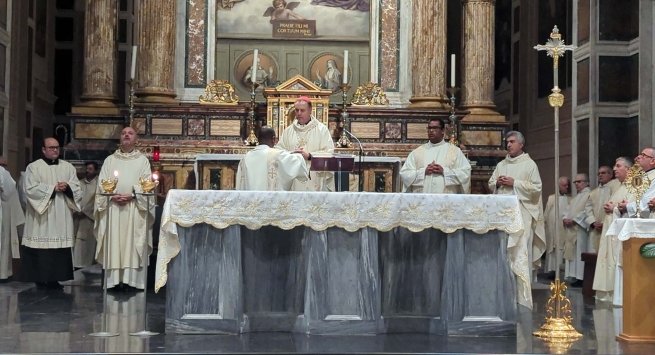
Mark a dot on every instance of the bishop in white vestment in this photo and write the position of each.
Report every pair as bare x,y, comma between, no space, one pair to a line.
12,217
437,166
599,197
306,135
609,251
84,250
270,169
127,215
577,221
647,204
518,175
553,222
53,194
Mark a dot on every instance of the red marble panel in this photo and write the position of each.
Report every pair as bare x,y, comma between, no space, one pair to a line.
389,44
196,42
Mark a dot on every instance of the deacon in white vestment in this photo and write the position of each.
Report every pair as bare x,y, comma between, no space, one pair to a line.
437,166
552,222
599,196
12,217
578,220
126,213
53,194
84,250
518,175
646,159
270,169
306,135
609,251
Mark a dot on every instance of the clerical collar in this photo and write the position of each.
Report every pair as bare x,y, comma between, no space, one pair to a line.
90,181
50,161
443,141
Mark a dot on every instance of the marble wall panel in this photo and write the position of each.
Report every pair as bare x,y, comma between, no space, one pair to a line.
389,46
227,128
417,131
196,127
196,42
166,126
365,130
98,131
393,130
139,125
489,138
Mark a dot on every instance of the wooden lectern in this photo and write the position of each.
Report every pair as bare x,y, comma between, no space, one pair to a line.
638,279
340,163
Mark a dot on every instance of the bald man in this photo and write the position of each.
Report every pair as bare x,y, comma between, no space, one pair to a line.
53,193
127,214
12,217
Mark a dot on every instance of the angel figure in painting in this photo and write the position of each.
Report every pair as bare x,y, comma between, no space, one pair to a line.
283,11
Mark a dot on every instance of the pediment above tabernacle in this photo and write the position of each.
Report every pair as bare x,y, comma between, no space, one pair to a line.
297,85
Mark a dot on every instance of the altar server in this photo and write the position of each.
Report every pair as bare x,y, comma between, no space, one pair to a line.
518,175
84,250
126,213
12,217
577,220
270,169
307,135
609,251
437,166
599,196
53,194
552,221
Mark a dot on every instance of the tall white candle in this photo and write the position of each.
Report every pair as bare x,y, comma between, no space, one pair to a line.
345,67
133,69
253,74
452,70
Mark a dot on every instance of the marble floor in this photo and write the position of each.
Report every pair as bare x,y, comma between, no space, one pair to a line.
40,321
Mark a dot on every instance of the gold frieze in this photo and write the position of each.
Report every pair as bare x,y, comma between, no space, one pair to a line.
219,92
370,94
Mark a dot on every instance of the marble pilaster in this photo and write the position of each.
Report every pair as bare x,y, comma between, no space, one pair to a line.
478,61
429,35
99,73
156,42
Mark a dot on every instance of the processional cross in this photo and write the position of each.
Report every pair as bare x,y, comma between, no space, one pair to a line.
558,326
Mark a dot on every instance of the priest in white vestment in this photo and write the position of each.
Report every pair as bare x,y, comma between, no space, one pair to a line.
127,215
609,251
599,196
437,166
53,194
306,135
12,217
646,159
84,250
518,175
270,169
578,220
552,222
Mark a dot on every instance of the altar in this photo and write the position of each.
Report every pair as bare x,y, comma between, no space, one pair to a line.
337,263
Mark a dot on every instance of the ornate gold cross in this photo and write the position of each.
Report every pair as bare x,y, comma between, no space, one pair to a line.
555,48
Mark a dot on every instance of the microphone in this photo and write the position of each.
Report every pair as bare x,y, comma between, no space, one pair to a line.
361,154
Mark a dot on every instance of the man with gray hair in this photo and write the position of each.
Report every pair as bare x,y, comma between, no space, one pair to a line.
577,220
518,175
645,159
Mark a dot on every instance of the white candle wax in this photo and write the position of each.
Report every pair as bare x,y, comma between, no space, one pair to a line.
253,73
133,69
452,70
116,173
345,67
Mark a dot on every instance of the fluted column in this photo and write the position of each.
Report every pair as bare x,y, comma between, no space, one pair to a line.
156,51
99,73
478,49
429,35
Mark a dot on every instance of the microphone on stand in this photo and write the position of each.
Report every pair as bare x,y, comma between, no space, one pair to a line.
361,154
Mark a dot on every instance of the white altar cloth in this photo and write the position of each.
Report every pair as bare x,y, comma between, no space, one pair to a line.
321,210
626,228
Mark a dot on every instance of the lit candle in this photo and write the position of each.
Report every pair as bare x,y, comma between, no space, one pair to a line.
345,67
155,154
155,177
116,173
452,70
133,70
253,74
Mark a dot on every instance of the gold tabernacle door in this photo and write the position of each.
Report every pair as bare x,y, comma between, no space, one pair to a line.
280,102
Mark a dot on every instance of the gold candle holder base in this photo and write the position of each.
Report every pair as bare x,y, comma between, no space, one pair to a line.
558,325
343,141
147,185
109,186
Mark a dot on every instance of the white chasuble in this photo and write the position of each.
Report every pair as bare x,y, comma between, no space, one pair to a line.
599,196
648,195
84,250
456,178
609,251
551,223
49,218
525,247
270,169
127,224
577,237
314,137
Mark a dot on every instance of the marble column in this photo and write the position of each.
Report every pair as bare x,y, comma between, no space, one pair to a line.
156,52
99,73
429,35
478,61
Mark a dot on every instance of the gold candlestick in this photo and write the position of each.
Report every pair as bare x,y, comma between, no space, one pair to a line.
343,141
147,185
133,84
454,124
109,185
252,138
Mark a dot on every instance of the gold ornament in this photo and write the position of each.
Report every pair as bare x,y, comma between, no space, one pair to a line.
558,324
556,99
148,185
219,92
108,186
370,94
637,183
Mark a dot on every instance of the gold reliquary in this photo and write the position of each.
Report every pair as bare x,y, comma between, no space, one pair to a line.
370,94
219,92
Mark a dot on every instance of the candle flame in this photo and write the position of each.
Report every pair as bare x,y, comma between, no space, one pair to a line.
155,177
115,173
